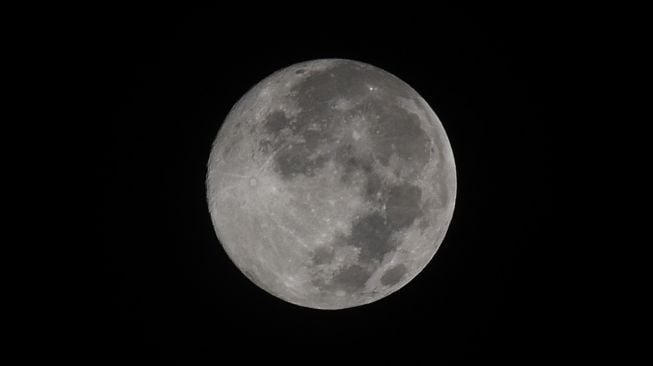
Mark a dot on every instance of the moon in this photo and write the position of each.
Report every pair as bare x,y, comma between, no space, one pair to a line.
331,184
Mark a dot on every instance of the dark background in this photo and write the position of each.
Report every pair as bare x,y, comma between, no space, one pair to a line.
167,76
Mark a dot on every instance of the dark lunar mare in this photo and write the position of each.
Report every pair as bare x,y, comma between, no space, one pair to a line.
393,275
394,130
296,139
373,233
398,131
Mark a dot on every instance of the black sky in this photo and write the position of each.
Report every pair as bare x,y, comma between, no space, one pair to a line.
169,77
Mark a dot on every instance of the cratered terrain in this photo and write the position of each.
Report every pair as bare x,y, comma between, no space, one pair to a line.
331,184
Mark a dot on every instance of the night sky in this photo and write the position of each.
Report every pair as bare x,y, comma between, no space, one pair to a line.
170,76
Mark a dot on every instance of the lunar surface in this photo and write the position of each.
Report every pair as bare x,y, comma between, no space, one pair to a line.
331,184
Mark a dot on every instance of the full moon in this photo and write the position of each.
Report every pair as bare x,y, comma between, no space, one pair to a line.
331,184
